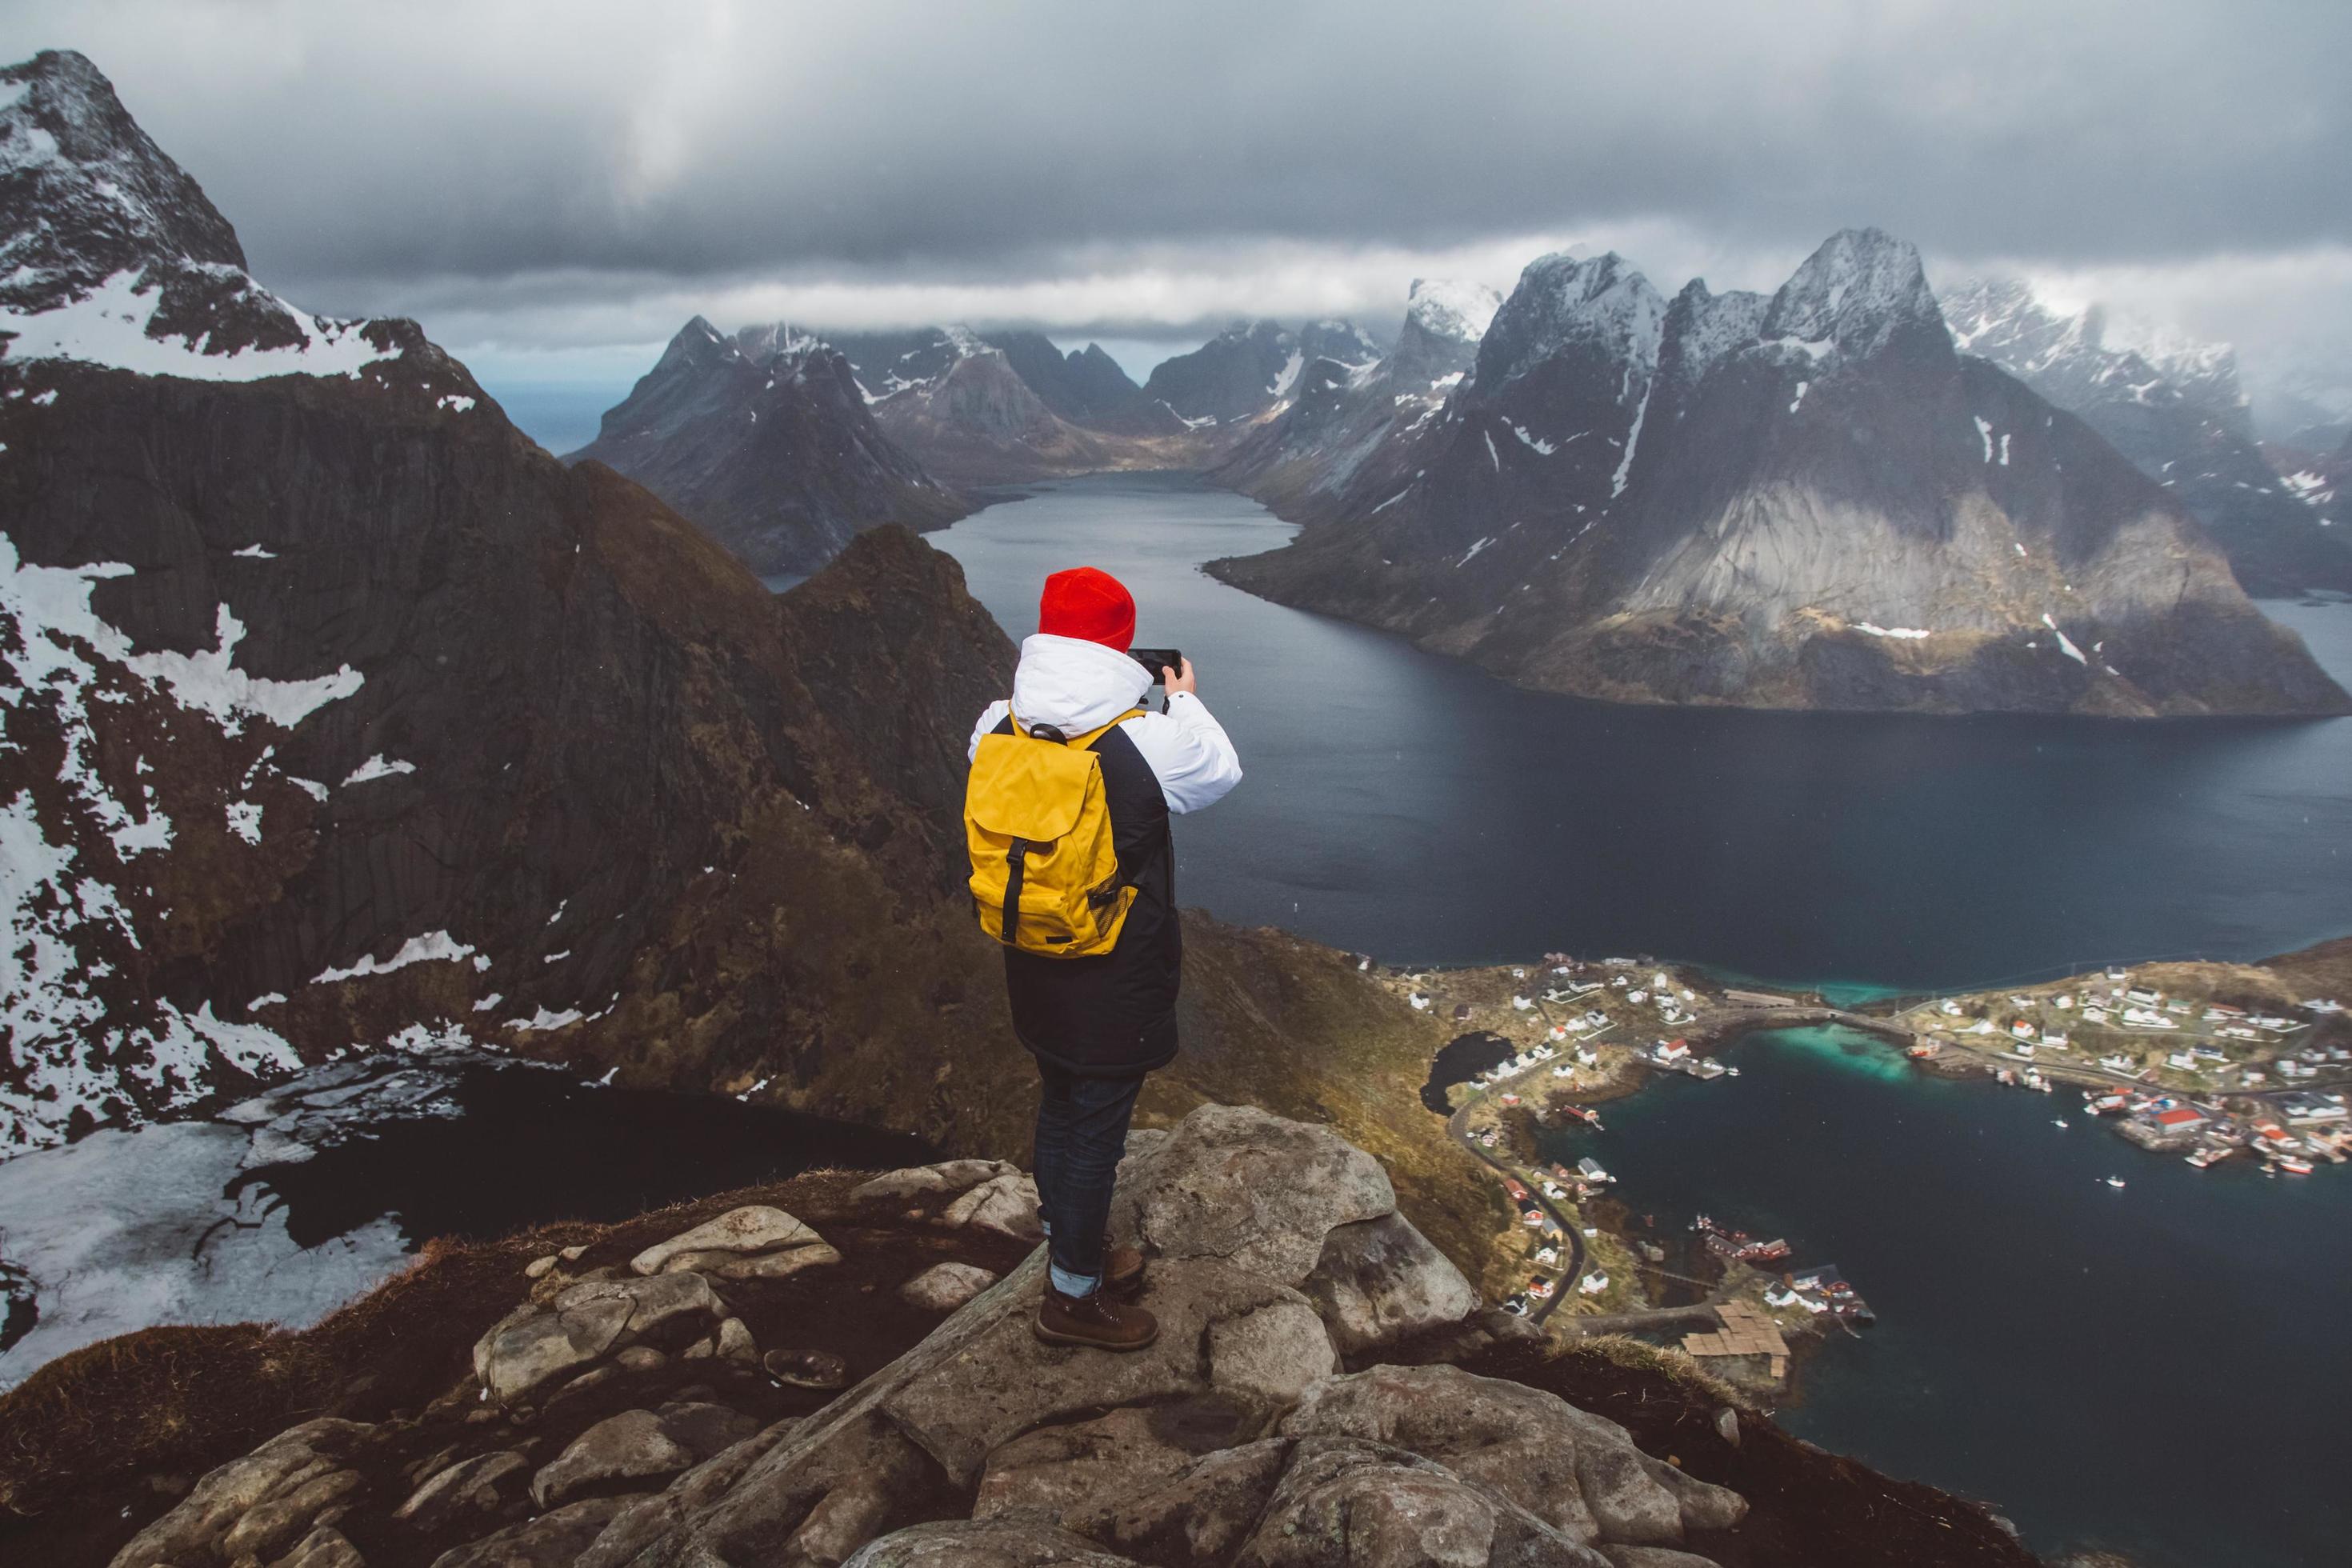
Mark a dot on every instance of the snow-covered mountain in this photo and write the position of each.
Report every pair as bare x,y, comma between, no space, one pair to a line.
342,719
765,440
1805,501
1342,443
2175,410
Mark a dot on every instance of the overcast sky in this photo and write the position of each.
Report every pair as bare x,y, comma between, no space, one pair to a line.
563,186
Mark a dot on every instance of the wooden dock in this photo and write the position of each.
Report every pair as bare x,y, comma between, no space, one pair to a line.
1745,1330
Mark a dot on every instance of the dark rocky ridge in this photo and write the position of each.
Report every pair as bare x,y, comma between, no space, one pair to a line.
1234,376
767,445
1808,501
2182,421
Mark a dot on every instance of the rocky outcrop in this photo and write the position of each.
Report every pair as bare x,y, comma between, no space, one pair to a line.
772,450
1810,501
1241,1438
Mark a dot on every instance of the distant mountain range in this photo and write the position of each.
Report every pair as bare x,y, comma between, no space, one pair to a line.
1806,499
342,719
2177,411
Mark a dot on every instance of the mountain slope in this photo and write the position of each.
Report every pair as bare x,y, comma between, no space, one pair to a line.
773,450
1343,445
1086,386
1234,376
342,718
1806,501
2179,417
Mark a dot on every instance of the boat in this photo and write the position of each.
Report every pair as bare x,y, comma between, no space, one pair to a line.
2116,1182
2057,1122
2293,1166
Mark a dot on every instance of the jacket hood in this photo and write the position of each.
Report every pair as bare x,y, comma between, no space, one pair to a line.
1074,685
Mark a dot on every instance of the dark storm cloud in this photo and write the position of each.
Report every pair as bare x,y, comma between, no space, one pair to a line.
484,152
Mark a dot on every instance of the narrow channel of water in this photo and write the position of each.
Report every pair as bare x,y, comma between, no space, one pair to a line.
2157,1370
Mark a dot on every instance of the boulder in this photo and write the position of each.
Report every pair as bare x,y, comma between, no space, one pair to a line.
1345,1503
482,1485
756,1264
1237,1183
649,1517
1272,1353
192,1531
278,1523
325,1547
1381,1281
947,1177
629,1446
966,1544
735,1341
1578,1472
554,1540
753,1229
536,1346
944,1287
1005,1204
1653,1557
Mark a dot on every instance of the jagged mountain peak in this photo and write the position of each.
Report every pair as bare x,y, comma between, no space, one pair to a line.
1860,291
85,193
112,255
1340,341
1451,308
1703,328
1602,302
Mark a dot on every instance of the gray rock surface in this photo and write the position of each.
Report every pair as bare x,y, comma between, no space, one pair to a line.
1380,1281
269,1477
1272,1353
947,1177
944,1287
482,1485
968,1543
538,1346
1235,1182
554,1540
629,1446
1006,1204
325,1547
753,1229
1361,1505
1654,1557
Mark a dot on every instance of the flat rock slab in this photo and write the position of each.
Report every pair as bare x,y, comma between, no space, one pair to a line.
1349,1504
754,1227
949,1176
944,1287
484,1484
192,1531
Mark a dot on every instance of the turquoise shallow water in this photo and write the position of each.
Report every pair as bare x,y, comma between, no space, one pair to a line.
2159,1370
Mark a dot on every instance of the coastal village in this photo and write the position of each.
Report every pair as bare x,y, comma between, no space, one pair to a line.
2206,1062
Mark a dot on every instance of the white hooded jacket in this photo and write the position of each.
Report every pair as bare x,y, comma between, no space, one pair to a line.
1077,686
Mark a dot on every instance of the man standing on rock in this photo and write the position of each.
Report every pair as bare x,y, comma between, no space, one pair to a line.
1073,871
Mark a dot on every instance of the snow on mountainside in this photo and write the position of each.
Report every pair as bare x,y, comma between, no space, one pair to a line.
1236,375
2172,407
340,720
1729,498
1348,426
110,255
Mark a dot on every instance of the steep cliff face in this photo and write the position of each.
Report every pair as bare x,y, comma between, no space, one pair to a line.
1236,376
2179,417
1348,441
766,444
341,718
1806,501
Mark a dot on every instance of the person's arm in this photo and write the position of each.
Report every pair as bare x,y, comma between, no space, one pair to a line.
988,721
1187,748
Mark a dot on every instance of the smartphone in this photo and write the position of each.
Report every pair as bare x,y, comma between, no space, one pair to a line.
1157,660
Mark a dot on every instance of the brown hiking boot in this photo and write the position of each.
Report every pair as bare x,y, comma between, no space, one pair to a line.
1123,1273
1096,1321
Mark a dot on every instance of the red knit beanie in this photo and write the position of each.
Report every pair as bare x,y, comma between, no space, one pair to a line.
1090,605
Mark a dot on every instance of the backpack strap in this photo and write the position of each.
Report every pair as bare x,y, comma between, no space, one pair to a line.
1075,742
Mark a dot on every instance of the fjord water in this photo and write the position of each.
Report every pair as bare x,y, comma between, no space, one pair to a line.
1413,807
2156,1369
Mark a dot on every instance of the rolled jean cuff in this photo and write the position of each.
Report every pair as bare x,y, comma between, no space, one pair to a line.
1072,1285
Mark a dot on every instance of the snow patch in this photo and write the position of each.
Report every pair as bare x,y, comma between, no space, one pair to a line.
245,820
1907,633
543,1020
1984,430
2065,646
378,767
432,947
1470,553
108,327
256,553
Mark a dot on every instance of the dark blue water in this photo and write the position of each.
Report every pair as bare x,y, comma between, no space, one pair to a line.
561,415
2160,1370
1407,805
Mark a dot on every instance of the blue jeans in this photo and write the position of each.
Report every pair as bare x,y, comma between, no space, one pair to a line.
1081,1134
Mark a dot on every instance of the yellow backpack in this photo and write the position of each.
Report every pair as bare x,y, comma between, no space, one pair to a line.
1044,870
